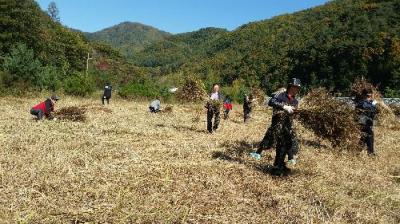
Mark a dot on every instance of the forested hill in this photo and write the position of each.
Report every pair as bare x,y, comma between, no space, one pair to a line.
329,46
37,52
128,37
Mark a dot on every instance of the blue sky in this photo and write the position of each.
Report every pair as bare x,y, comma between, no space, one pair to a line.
175,16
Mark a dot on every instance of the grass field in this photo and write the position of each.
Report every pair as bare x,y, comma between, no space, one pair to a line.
124,165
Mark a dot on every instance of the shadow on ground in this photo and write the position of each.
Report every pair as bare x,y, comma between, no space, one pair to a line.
238,152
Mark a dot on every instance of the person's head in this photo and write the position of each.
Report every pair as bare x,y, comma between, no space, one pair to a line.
215,88
294,87
54,98
367,94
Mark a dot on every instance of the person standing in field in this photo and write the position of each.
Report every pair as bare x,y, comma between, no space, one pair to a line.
366,110
213,109
227,107
107,93
248,104
268,142
45,108
284,105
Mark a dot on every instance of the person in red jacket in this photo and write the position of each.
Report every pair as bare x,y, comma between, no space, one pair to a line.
45,108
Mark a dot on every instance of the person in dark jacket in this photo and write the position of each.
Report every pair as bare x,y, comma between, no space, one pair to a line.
366,110
227,107
268,142
213,109
44,109
248,104
107,94
284,104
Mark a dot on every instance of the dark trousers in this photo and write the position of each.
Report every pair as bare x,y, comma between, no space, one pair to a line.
367,138
105,98
246,114
226,114
38,113
213,113
153,110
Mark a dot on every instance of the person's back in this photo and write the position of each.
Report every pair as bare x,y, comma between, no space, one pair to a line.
155,106
107,94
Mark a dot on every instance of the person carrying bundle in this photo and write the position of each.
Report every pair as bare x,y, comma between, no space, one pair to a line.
284,105
268,141
248,107
107,94
45,108
213,109
227,107
366,110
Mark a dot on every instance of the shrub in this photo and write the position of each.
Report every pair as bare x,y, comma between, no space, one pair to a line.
79,85
139,88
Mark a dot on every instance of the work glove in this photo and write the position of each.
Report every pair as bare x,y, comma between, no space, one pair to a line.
292,162
288,109
374,103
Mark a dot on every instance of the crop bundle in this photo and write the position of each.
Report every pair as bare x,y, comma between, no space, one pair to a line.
168,109
191,91
72,113
330,119
259,95
395,108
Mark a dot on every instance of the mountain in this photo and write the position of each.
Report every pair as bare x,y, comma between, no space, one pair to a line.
329,45
128,37
38,53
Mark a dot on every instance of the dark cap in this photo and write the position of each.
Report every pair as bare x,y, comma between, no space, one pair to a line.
54,97
295,82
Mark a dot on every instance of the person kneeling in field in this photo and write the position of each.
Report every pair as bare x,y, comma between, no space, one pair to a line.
44,109
155,106
366,110
284,104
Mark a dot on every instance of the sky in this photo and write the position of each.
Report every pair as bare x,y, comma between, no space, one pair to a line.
174,16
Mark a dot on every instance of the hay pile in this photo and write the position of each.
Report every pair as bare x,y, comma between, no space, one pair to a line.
395,108
258,94
330,119
168,109
71,113
193,90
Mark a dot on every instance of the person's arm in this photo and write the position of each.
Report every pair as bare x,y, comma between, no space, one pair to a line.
276,102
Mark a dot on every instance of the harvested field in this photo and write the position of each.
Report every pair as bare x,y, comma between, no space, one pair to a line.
130,166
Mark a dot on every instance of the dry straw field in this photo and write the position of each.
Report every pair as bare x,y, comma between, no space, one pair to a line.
125,165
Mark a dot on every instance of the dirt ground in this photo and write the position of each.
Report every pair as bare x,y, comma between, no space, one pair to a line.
125,165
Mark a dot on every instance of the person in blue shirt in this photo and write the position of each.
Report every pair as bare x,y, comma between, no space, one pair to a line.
366,111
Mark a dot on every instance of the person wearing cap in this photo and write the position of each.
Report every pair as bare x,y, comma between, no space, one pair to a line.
213,110
366,111
107,94
44,109
284,105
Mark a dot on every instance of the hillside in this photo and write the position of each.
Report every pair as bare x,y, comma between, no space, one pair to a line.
125,165
128,37
37,53
329,45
